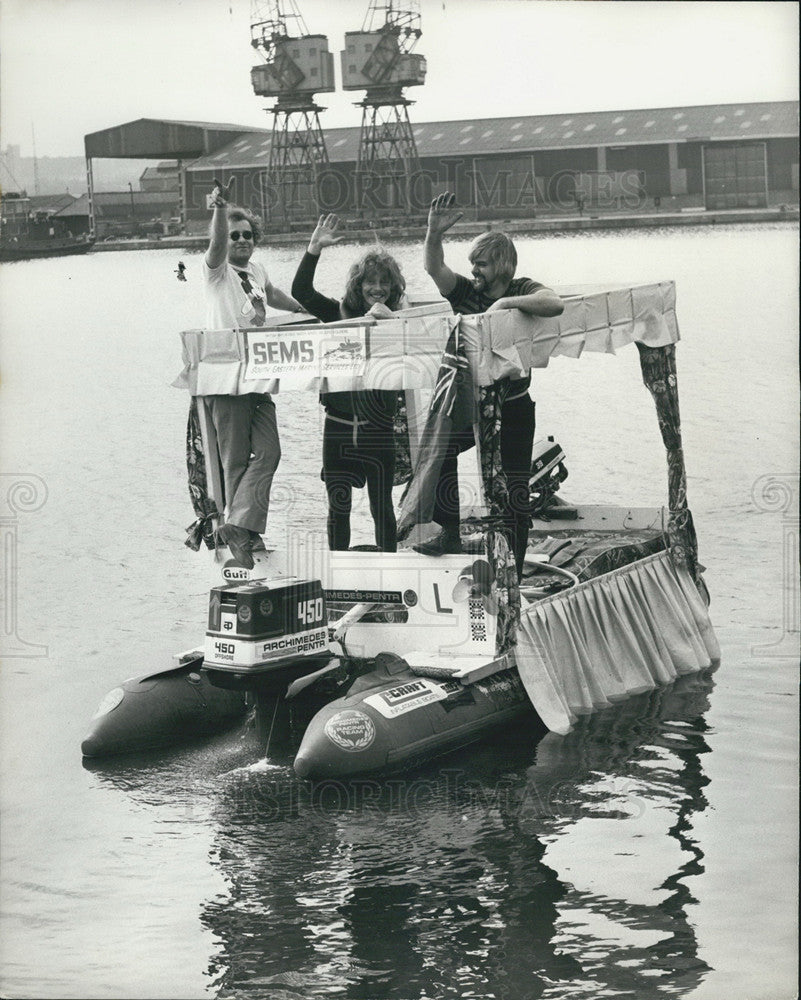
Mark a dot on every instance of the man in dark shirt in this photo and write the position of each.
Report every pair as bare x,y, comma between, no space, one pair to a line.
494,261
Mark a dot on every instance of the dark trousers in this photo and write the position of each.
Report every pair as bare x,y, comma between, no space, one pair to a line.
351,461
518,421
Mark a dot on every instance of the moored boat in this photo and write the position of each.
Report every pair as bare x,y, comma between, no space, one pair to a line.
26,248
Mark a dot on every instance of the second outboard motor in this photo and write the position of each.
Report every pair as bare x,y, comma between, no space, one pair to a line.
548,472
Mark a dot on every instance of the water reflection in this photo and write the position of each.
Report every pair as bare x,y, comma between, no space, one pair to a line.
631,785
562,869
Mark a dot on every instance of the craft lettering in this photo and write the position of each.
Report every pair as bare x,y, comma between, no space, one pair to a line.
405,689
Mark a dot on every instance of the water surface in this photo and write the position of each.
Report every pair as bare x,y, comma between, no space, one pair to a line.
649,853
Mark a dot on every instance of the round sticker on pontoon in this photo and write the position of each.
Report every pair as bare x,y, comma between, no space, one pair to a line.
266,607
110,702
350,730
409,598
244,613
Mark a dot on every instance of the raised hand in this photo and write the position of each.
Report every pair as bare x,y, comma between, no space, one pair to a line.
325,233
443,213
219,194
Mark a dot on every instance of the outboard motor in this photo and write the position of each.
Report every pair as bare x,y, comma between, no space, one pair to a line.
263,634
548,472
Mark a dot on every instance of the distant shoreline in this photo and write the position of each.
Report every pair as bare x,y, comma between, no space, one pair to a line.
523,227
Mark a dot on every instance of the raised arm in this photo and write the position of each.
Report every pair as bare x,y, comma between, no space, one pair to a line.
441,216
217,252
543,302
325,309
325,234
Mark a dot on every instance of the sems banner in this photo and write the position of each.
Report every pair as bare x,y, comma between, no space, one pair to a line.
294,354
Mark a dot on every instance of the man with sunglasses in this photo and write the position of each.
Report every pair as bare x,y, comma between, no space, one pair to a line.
238,290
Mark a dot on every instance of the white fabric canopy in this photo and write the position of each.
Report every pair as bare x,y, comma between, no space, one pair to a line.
405,351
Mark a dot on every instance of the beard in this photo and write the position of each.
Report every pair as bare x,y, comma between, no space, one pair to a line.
479,282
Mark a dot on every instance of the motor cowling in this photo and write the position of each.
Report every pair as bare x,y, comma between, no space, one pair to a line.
548,472
255,626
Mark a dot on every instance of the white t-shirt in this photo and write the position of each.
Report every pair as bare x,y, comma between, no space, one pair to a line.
228,305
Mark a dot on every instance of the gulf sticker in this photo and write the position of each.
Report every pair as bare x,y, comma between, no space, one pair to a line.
350,730
407,697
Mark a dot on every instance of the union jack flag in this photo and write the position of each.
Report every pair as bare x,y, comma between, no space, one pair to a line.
452,408
446,388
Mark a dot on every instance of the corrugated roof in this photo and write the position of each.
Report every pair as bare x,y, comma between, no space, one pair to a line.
539,132
167,170
50,202
120,199
158,138
213,126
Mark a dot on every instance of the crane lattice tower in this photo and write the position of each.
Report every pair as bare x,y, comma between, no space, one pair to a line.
379,59
296,66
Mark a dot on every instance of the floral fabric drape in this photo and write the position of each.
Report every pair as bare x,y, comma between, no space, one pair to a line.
502,561
658,366
202,529
490,405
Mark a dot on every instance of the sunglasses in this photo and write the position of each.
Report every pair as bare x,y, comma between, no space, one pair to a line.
246,234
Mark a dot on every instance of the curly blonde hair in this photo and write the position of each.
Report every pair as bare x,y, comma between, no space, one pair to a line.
353,303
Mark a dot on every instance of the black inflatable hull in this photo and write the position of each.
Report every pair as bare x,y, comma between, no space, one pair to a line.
161,709
391,721
388,720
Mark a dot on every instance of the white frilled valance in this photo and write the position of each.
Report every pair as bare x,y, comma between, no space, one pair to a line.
616,635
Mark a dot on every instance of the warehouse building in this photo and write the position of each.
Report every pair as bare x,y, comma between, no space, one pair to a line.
712,157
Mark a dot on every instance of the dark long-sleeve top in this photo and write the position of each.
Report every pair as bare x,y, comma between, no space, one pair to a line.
376,405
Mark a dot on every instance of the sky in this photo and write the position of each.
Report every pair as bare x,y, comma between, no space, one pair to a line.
70,67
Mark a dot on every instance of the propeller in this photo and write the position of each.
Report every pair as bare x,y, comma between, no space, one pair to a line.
474,581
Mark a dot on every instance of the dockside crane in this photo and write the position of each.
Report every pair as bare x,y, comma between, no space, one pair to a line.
297,65
379,60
